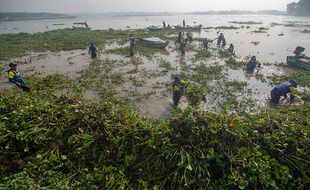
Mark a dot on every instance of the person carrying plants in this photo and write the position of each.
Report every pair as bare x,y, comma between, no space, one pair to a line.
283,89
132,46
15,77
92,51
178,89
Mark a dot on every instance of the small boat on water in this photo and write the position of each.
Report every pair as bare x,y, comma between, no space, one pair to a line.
153,43
192,28
157,29
299,60
81,25
154,29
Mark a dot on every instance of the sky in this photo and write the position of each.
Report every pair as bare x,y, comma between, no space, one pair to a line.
102,6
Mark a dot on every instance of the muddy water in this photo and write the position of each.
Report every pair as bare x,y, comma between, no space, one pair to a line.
146,85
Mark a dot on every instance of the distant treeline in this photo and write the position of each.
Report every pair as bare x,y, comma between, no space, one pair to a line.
31,16
302,8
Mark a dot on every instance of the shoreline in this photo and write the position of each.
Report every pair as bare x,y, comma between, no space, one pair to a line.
44,18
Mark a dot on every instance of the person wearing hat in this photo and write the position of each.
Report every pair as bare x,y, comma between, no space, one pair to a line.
283,89
92,51
15,77
178,89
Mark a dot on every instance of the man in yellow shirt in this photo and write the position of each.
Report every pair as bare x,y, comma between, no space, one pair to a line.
14,77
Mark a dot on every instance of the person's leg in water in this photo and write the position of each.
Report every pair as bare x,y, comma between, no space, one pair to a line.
275,96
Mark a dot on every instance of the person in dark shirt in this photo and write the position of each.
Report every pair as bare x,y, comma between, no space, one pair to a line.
92,51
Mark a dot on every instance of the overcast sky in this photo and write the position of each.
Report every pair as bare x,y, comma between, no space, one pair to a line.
84,6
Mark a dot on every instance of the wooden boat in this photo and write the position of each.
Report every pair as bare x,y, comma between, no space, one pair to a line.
198,27
192,28
81,25
157,29
154,29
301,62
153,43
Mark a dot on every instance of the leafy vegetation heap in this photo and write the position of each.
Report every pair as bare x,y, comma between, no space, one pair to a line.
49,141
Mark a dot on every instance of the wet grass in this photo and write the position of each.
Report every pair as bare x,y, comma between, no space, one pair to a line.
17,45
202,54
234,64
302,77
166,65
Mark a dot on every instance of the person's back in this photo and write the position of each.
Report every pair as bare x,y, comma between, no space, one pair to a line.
92,50
251,64
284,88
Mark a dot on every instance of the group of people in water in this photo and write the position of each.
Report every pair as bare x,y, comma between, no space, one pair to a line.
179,86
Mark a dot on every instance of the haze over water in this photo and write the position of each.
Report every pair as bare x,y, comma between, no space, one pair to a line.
272,48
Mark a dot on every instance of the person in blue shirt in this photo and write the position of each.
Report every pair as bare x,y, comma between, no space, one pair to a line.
283,89
92,51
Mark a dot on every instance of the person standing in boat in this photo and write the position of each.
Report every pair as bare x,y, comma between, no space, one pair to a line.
164,24
92,51
132,46
283,89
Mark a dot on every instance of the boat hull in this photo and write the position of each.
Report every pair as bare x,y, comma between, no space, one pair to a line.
298,62
153,44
